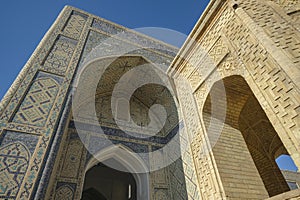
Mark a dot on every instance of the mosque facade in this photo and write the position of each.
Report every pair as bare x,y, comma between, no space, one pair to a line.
100,111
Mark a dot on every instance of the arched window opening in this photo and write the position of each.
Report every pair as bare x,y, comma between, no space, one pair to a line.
285,162
289,171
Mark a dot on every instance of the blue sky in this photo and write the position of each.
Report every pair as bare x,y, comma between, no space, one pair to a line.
23,24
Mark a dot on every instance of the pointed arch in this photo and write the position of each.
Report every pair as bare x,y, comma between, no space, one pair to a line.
131,162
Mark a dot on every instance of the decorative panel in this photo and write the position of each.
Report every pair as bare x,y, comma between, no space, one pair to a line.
14,161
15,151
64,191
60,55
36,106
75,25
72,159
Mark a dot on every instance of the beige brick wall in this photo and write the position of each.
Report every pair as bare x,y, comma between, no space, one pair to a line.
257,40
235,165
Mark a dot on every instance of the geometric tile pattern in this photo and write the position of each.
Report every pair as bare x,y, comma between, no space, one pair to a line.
72,159
58,44
28,140
64,193
75,25
279,31
60,55
201,65
96,38
37,104
55,45
218,51
14,160
110,28
177,180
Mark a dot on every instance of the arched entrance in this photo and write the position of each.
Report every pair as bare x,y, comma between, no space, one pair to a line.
111,175
246,150
104,182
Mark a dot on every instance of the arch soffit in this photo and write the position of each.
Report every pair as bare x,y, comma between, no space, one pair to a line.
113,58
87,65
132,162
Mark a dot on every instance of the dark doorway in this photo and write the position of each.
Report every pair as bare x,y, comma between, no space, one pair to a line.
104,183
